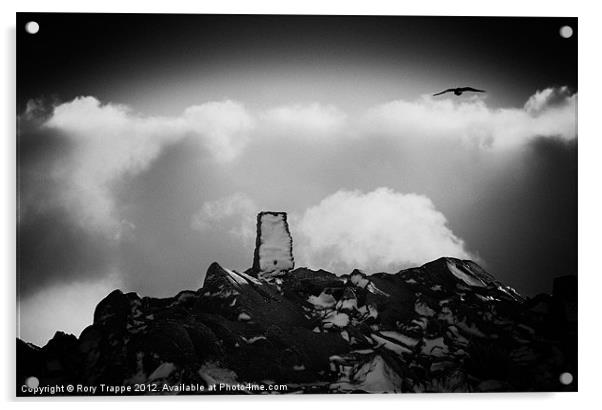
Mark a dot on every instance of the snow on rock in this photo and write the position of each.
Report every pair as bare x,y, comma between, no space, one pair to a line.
471,329
374,376
244,317
336,319
213,374
253,339
348,302
377,376
435,347
235,277
323,300
406,340
274,245
358,279
423,309
249,278
185,296
376,291
283,326
162,372
390,345
470,280
370,311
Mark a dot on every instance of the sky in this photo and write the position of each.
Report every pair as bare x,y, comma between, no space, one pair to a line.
147,144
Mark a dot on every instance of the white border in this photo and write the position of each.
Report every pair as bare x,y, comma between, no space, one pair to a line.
590,158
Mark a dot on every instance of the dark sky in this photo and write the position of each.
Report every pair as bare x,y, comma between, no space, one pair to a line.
193,123
114,56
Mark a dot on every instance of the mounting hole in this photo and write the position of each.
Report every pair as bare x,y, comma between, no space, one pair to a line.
566,31
566,378
32,382
32,27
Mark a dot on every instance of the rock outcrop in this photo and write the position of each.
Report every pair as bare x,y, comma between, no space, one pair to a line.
447,326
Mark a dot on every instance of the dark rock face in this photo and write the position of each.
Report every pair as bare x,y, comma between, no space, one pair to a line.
447,326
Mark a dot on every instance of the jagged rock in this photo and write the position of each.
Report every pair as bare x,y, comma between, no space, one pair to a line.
445,326
167,342
565,297
112,312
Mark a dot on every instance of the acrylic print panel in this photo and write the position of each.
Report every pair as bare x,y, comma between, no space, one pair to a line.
233,204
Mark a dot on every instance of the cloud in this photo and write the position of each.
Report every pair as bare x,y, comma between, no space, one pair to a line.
66,307
223,126
313,120
237,212
102,186
549,98
382,230
548,113
109,144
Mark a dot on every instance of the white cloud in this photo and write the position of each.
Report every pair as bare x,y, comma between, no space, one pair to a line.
309,120
223,126
382,230
110,142
66,307
237,211
547,98
548,113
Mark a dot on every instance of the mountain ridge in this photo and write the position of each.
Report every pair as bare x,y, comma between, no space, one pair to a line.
447,325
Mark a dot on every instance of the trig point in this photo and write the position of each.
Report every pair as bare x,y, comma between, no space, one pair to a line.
274,244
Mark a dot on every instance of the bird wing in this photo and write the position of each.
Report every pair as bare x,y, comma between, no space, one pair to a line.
471,89
443,92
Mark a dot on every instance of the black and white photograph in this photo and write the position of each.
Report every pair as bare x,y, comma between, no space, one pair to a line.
269,204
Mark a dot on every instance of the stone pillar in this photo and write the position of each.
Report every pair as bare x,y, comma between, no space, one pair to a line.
274,244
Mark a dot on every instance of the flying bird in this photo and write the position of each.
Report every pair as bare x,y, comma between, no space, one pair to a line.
460,90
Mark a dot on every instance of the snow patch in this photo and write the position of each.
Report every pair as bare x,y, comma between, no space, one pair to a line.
359,280
235,278
387,344
423,309
162,372
244,317
347,304
324,300
375,376
471,330
376,291
435,347
249,278
464,277
212,373
336,319
253,339
406,340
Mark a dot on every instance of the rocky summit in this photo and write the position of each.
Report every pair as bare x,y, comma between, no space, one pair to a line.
447,326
